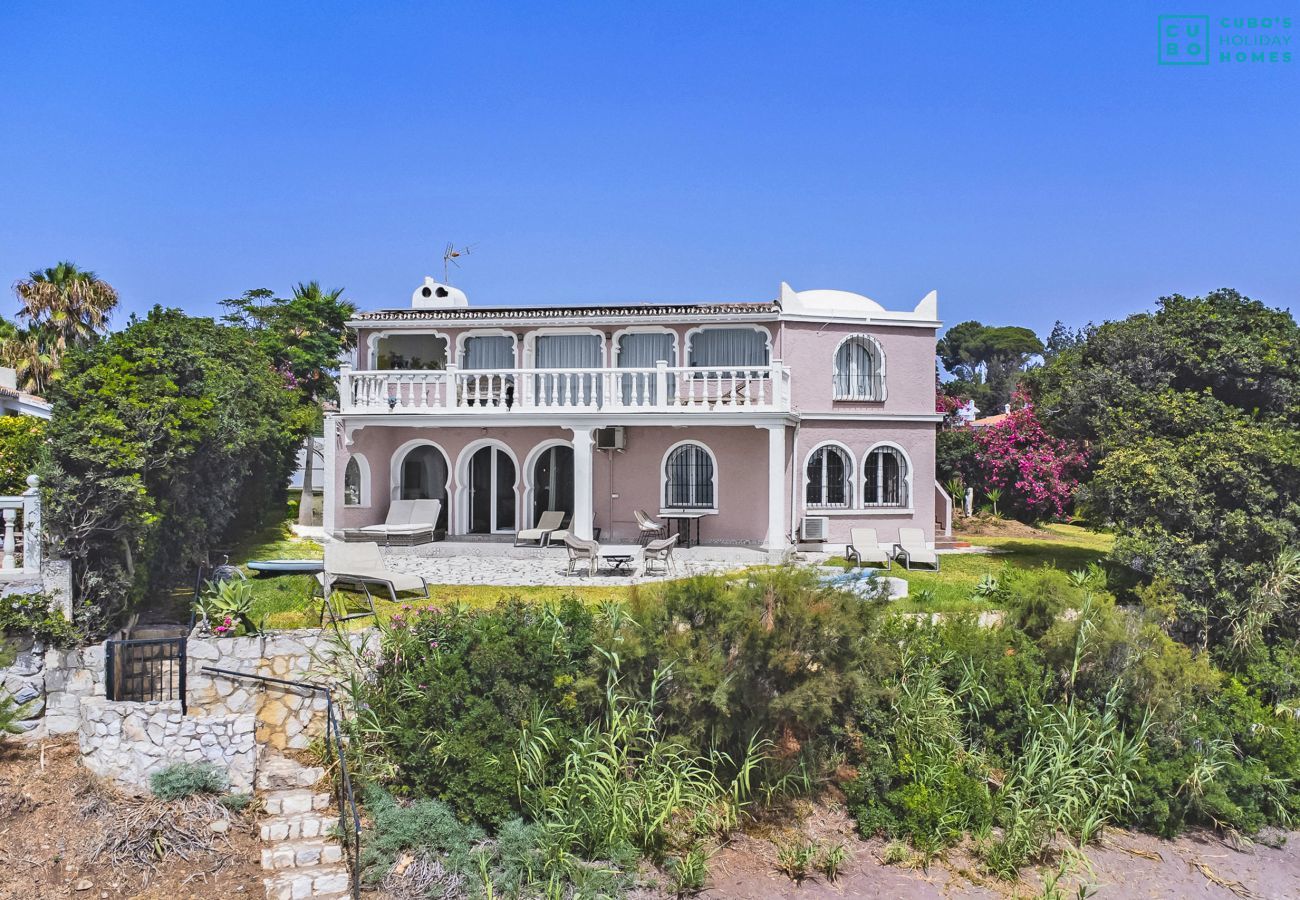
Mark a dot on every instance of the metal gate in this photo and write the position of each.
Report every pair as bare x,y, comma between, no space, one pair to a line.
144,671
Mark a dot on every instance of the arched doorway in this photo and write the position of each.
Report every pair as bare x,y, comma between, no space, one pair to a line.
422,475
490,479
552,481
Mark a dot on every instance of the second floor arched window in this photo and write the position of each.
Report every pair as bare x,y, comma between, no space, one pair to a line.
859,369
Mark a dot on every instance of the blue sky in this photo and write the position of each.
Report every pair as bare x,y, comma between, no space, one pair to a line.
1031,162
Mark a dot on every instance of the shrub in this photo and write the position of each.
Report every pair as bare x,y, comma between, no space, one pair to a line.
449,689
420,825
180,780
37,615
775,655
22,440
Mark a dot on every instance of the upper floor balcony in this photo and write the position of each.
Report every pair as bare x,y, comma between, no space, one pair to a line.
658,389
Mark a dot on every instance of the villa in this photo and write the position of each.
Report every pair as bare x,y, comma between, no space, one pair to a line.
767,424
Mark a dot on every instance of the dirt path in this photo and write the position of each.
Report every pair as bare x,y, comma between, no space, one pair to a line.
1127,865
47,819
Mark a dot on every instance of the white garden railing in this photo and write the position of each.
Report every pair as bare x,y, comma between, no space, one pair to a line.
662,388
21,515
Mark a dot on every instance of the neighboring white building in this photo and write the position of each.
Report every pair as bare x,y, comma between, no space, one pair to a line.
14,402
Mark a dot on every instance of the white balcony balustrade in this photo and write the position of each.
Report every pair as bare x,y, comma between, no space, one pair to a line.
662,388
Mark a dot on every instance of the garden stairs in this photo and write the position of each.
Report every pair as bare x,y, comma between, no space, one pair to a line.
300,849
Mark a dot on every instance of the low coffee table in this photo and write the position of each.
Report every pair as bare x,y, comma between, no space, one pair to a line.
619,557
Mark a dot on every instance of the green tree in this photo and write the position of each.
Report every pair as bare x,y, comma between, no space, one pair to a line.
1192,412
169,437
987,360
306,335
65,306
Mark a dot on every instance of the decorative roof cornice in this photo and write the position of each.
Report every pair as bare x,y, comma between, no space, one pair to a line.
531,314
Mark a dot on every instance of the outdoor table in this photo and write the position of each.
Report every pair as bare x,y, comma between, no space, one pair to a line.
619,557
684,520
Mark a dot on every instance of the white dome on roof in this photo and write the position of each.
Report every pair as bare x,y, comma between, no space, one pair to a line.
432,295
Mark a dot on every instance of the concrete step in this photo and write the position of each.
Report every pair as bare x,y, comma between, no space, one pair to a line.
294,802
301,854
297,884
949,544
279,774
292,828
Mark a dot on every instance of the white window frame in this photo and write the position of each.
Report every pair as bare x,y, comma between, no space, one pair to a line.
906,505
874,348
363,476
851,476
664,508
690,338
399,457
374,337
486,332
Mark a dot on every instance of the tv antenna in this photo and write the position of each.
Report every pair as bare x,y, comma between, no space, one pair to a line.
450,257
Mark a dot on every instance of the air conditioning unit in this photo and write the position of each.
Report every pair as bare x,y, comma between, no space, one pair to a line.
610,438
815,528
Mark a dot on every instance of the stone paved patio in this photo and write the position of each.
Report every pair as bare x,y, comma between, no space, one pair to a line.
474,562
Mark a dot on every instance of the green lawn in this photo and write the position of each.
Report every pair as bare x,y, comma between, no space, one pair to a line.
282,601
1068,548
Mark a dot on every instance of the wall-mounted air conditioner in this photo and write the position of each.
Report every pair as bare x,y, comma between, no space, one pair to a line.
815,528
610,438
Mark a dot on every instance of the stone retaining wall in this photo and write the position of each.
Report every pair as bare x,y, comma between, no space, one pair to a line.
128,742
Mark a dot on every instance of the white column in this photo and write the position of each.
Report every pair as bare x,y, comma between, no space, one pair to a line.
776,539
582,503
32,534
329,475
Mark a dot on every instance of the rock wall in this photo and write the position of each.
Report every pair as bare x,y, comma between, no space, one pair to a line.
226,717
128,742
24,680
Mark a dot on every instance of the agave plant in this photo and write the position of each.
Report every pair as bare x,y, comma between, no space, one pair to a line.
994,495
228,607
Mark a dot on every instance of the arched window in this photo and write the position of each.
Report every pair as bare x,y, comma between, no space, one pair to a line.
689,478
885,482
830,478
859,369
356,482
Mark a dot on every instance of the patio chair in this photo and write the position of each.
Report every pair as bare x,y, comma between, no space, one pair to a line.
408,522
865,548
363,565
651,528
581,550
911,546
661,552
548,526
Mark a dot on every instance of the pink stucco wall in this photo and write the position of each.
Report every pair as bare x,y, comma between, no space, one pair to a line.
634,474
916,440
808,348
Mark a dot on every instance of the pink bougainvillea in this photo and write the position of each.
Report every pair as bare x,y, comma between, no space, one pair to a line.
1037,473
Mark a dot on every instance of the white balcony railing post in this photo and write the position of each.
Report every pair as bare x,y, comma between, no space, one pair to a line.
451,399
661,384
346,400
10,514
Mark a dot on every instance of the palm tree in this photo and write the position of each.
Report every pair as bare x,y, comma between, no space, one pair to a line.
66,305
25,353
315,335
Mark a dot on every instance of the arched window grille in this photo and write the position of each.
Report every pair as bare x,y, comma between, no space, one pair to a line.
885,481
829,479
688,478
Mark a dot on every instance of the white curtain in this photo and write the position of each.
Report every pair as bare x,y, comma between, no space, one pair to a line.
641,350
856,372
568,351
728,348
492,352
